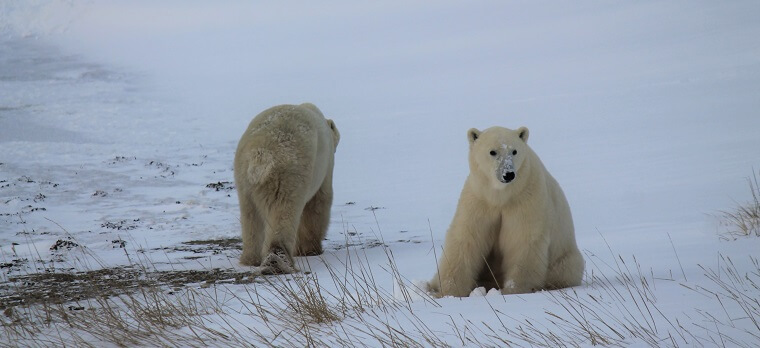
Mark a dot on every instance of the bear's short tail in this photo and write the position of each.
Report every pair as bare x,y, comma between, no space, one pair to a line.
260,166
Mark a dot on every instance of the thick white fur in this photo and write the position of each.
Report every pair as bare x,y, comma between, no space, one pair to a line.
516,236
283,174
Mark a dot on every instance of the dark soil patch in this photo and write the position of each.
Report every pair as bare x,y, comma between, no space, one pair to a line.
121,159
217,246
216,275
221,186
166,170
58,288
64,287
67,286
213,246
226,243
121,225
63,244
14,265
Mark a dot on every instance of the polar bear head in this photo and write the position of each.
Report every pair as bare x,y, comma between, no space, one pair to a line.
498,153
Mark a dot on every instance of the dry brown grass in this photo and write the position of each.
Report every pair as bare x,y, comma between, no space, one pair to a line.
344,304
745,219
145,307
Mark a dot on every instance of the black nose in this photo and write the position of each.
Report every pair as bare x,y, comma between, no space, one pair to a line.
509,177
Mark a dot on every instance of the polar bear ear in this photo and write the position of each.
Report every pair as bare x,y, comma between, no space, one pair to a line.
336,133
523,133
472,135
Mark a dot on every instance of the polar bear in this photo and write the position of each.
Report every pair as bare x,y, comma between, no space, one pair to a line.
283,174
512,229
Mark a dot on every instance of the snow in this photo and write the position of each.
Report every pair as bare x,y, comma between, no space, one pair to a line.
114,116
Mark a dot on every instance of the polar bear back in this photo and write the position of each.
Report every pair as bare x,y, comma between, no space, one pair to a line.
298,142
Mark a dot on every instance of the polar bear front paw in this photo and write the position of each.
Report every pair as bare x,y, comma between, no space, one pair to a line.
433,289
511,288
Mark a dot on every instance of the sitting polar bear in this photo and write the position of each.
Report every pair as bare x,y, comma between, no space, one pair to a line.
283,174
512,229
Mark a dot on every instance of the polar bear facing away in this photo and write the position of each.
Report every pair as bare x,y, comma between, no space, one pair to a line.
512,229
283,174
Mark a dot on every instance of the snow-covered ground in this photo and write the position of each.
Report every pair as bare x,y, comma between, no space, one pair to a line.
115,117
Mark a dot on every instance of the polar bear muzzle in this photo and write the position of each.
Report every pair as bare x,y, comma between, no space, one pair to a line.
506,170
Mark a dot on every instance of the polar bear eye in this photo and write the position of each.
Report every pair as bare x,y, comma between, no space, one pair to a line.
492,153
514,152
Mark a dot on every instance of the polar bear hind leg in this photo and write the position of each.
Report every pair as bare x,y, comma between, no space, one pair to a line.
253,232
314,221
567,271
282,203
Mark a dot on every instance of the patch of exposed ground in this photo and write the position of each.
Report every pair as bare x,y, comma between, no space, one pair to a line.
60,287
